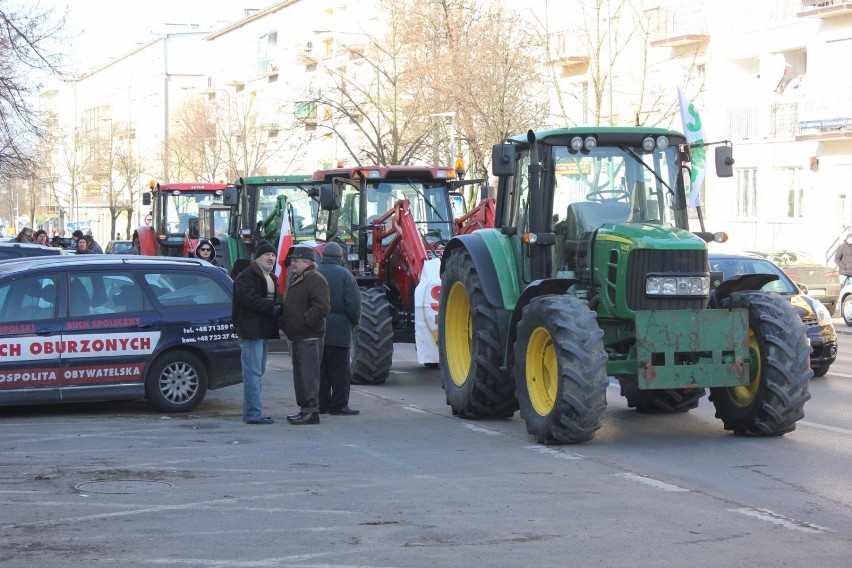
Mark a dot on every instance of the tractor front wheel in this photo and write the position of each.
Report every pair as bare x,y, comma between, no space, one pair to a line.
779,367
469,345
560,370
372,350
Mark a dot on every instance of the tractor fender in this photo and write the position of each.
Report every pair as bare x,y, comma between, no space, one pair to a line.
147,241
545,287
492,257
741,283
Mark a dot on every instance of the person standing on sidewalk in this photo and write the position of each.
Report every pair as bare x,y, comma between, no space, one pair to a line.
843,259
306,307
255,316
345,314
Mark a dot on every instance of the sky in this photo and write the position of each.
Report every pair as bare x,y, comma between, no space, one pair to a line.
104,29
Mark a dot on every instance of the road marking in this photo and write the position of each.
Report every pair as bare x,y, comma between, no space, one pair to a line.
416,409
651,482
481,429
844,375
553,452
824,427
776,519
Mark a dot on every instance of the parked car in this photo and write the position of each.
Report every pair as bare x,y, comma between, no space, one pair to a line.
119,247
814,314
10,249
818,281
115,327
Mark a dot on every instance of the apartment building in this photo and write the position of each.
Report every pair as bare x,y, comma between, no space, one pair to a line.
764,74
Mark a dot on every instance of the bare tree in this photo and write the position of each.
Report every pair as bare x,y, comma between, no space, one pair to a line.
70,173
195,151
27,34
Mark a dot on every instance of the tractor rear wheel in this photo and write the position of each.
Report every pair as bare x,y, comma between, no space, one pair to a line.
779,366
469,346
560,370
663,400
373,339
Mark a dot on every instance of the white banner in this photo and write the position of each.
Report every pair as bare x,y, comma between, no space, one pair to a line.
77,346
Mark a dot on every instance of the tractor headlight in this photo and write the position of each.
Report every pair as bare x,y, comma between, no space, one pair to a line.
659,285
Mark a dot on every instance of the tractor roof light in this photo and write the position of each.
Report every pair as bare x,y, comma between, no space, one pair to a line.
648,144
662,142
576,143
176,192
529,238
590,143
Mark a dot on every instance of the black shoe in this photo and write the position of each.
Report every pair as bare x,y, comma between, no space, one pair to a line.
323,411
263,420
292,416
304,418
345,411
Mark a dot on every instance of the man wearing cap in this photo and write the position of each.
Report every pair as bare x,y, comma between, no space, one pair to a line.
345,314
306,307
843,258
255,316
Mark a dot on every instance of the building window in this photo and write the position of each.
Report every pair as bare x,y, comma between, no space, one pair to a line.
791,179
745,204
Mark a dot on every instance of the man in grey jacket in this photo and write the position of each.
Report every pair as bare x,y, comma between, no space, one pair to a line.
345,313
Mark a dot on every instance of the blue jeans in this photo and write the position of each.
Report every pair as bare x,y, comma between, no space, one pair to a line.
253,360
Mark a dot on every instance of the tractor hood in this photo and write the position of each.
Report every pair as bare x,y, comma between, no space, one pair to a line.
647,236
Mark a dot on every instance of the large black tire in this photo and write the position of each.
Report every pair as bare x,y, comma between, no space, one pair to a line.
176,382
659,400
469,348
560,370
373,339
846,310
779,364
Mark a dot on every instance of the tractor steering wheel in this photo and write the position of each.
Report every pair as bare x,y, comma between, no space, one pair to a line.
608,194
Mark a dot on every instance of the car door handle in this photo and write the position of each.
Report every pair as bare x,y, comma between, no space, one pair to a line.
147,325
44,332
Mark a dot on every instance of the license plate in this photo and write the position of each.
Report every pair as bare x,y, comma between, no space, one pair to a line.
816,292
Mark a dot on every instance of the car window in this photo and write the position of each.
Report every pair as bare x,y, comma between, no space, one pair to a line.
731,267
103,293
173,288
29,299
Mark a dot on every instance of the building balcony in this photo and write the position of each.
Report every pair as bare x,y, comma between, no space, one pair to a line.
679,25
266,67
305,53
824,9
825,119
568,51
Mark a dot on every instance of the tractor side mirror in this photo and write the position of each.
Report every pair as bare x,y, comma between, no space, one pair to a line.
330,196
724,161
146,198
230,196
503,161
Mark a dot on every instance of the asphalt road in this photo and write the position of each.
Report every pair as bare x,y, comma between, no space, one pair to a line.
407,484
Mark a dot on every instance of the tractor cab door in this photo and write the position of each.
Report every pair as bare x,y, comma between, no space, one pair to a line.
517,216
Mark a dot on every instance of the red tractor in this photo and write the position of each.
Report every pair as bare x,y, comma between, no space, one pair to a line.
172,226
390,222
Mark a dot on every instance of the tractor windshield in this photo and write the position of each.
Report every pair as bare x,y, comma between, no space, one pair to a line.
429,204
614,184
302,209
179,207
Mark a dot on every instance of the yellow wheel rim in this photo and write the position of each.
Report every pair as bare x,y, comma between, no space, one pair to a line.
458,333
542,372
744,396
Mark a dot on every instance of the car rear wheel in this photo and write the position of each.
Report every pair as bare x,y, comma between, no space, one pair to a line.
846,310
176,382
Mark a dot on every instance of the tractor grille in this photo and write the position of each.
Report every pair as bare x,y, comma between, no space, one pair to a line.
643,261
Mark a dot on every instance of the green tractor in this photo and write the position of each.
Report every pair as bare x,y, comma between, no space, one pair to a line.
591,272
259,207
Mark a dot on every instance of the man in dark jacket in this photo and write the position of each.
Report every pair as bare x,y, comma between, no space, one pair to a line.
306,307
843,258
255,316
345,314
